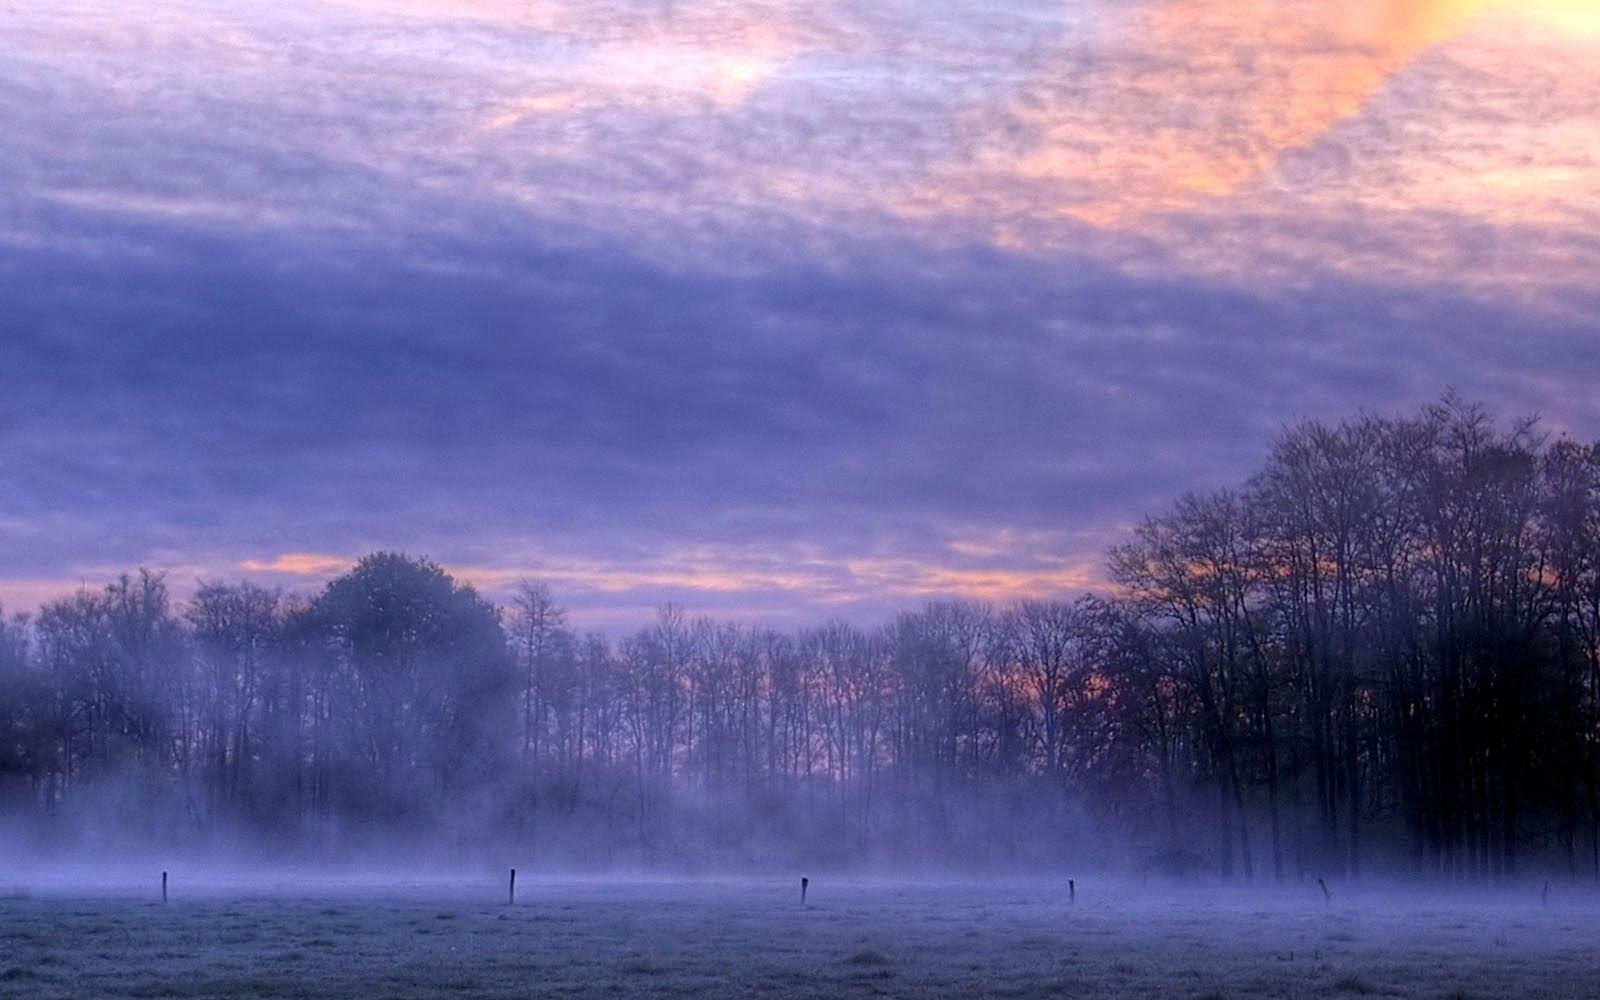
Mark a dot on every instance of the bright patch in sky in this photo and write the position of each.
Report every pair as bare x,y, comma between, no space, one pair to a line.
1577,16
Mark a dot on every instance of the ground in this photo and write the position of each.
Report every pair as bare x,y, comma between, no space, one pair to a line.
738,938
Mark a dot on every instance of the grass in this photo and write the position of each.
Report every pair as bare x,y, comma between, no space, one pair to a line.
750,938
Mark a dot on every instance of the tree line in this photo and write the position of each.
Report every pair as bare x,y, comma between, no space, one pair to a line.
1381,652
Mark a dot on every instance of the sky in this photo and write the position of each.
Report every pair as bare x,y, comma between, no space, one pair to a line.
778,310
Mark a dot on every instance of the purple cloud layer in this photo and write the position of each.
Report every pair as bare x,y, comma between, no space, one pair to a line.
779,310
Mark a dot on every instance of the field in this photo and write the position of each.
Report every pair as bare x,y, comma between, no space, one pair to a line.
728,938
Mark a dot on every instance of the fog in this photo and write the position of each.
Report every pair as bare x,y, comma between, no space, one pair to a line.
1376,659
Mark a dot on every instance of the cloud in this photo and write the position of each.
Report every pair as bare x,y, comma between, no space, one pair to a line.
781,581
299,564
1208,96
825,337
931,423
1389,128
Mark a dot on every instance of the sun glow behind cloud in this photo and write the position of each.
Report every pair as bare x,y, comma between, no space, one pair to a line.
1580,17
663,75
1195,100
1273,77
669,58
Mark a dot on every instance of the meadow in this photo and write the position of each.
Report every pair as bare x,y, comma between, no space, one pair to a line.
752,937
